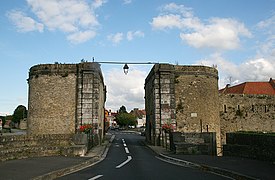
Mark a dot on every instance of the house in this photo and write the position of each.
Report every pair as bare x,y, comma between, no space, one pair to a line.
141,116
260,88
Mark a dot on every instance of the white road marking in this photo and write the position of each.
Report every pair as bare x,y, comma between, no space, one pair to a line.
112,138
124,145
96,177
127,150
125,162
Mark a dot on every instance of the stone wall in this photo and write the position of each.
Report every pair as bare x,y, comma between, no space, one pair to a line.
52,99
193,143
240,112
250,145
62,97
23,146
185,96
196,94
159,102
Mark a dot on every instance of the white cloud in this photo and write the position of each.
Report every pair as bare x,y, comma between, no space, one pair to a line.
124,89
178,9
24,23
115,38
131,35
80,37
76,18
98,3
63,15
256,69
267,46
127,1
268,23
167,21
216,33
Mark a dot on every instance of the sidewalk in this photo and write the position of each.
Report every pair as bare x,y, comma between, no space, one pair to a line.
234,167
51,167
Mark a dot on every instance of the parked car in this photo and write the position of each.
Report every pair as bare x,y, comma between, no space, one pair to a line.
142,130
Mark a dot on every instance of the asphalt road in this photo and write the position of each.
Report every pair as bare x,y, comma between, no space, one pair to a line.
129,158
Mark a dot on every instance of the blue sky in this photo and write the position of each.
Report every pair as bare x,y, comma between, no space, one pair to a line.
237,36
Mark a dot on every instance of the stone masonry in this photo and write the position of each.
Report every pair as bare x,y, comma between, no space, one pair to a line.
64,96
184,96
159,101
239,112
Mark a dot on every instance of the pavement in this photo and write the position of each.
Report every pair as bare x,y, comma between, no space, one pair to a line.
41,168
232,167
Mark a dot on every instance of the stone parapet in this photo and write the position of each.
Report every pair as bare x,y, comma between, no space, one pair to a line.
196,70
23,146
240,112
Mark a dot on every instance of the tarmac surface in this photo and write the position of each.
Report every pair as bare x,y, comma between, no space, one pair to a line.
54,167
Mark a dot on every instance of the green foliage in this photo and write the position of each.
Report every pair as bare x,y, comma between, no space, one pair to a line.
122,109
126,119
19,113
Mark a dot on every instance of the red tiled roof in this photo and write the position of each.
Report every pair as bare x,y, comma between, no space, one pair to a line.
265,88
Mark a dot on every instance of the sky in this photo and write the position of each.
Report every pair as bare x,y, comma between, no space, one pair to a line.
236,36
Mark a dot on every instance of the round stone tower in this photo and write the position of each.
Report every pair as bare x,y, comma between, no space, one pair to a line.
196,99
52,99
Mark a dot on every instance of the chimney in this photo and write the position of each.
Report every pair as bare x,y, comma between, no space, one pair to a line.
272,82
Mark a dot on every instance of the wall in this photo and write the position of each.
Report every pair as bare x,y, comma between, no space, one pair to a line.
185,96
250,145
23,146
246,113
159,102
193,143
52,99
62,97
91,93
196,94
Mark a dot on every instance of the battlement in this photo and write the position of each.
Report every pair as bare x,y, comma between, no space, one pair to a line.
196,70
63,69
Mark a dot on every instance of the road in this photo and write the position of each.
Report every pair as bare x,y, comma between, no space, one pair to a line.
129,158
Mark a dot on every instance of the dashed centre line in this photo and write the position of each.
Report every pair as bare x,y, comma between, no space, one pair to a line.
129,158
127,150
125,162
96,177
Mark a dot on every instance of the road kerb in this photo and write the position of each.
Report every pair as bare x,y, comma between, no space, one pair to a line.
65,171
216,170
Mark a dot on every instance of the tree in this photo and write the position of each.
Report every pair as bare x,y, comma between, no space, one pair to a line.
19,113
122,109
126,119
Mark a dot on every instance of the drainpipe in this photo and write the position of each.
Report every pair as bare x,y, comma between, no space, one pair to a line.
159,106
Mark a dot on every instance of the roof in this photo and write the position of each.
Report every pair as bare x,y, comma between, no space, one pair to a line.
138,113
260,88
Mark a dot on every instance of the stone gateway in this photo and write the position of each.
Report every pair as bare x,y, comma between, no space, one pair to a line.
62,97
185,97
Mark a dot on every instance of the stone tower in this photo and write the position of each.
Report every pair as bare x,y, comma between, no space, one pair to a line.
64,96
197,100
186,96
